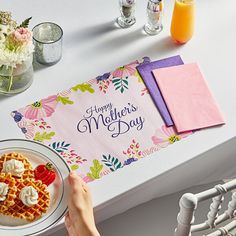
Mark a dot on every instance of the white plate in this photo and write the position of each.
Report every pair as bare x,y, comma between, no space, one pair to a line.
38,153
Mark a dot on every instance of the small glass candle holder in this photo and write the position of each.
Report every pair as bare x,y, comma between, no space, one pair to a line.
154,17
127,10
47,37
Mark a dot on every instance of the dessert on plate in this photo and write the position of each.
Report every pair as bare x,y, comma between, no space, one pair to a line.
32,201
8,191
16,164
24,196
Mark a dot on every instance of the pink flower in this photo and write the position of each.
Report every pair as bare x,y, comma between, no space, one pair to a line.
41,109
65,93
22,35
125,71
41,124
105,172
87,179
168,135
133,150
144,91
27,129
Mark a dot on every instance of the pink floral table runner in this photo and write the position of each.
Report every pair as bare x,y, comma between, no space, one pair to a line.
100,126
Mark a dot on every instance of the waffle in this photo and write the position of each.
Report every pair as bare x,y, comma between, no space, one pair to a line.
11,195
19,210
29,173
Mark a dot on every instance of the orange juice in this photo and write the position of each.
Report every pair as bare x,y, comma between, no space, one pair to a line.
182,25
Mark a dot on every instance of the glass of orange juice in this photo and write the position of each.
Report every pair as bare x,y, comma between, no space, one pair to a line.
182,24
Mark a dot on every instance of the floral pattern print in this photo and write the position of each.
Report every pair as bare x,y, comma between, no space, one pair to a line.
103,77
46,121
144,91
167,135
71,157
125,71
27,129
104,85
41,109
121,84
84,87
95,170
113,163
17,116
41,123
133,152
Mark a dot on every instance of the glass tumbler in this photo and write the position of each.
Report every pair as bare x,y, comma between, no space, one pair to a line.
47,37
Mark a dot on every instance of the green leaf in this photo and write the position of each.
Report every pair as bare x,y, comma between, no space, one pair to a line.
126,82
95,170
121,84
74,167
125,86
137,75
25,23
116,80
116,84
117,87
119,166
43,136
112,162
83,88
64,100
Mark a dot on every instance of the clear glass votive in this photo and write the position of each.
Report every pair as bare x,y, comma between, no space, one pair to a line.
47,37
154,17
127,10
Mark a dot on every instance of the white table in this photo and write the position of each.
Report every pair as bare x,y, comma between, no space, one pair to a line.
93,45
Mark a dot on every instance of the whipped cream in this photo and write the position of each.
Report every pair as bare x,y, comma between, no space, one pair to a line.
15,167
3,191
29,196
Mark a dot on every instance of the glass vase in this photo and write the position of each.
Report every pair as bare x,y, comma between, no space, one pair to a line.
17,79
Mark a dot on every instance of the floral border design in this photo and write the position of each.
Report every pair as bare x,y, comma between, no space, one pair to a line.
32,122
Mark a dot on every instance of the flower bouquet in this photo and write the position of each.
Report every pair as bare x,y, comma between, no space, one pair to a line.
16,50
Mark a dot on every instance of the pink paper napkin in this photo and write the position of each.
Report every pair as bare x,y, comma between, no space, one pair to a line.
188,97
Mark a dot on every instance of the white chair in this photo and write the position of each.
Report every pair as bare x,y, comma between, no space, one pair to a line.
189,202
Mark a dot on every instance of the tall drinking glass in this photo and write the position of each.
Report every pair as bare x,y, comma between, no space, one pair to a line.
183,20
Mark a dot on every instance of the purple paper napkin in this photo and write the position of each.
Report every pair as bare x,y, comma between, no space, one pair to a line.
145,71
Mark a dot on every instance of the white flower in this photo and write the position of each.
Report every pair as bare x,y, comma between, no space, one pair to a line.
5,30
12,58
2,38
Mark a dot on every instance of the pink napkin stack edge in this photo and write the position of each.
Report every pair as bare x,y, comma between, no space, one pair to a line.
188,98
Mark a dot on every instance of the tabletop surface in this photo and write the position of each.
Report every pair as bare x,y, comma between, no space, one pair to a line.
93,45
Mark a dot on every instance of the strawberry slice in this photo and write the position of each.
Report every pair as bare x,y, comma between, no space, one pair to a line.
45,173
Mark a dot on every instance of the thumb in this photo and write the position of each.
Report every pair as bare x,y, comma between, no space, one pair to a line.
69,226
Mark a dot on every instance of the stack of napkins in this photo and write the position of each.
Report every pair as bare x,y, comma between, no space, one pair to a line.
181,94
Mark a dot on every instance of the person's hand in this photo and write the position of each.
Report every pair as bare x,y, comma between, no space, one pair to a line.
80,219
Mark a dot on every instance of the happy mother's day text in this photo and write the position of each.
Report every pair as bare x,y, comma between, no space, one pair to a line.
115,120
